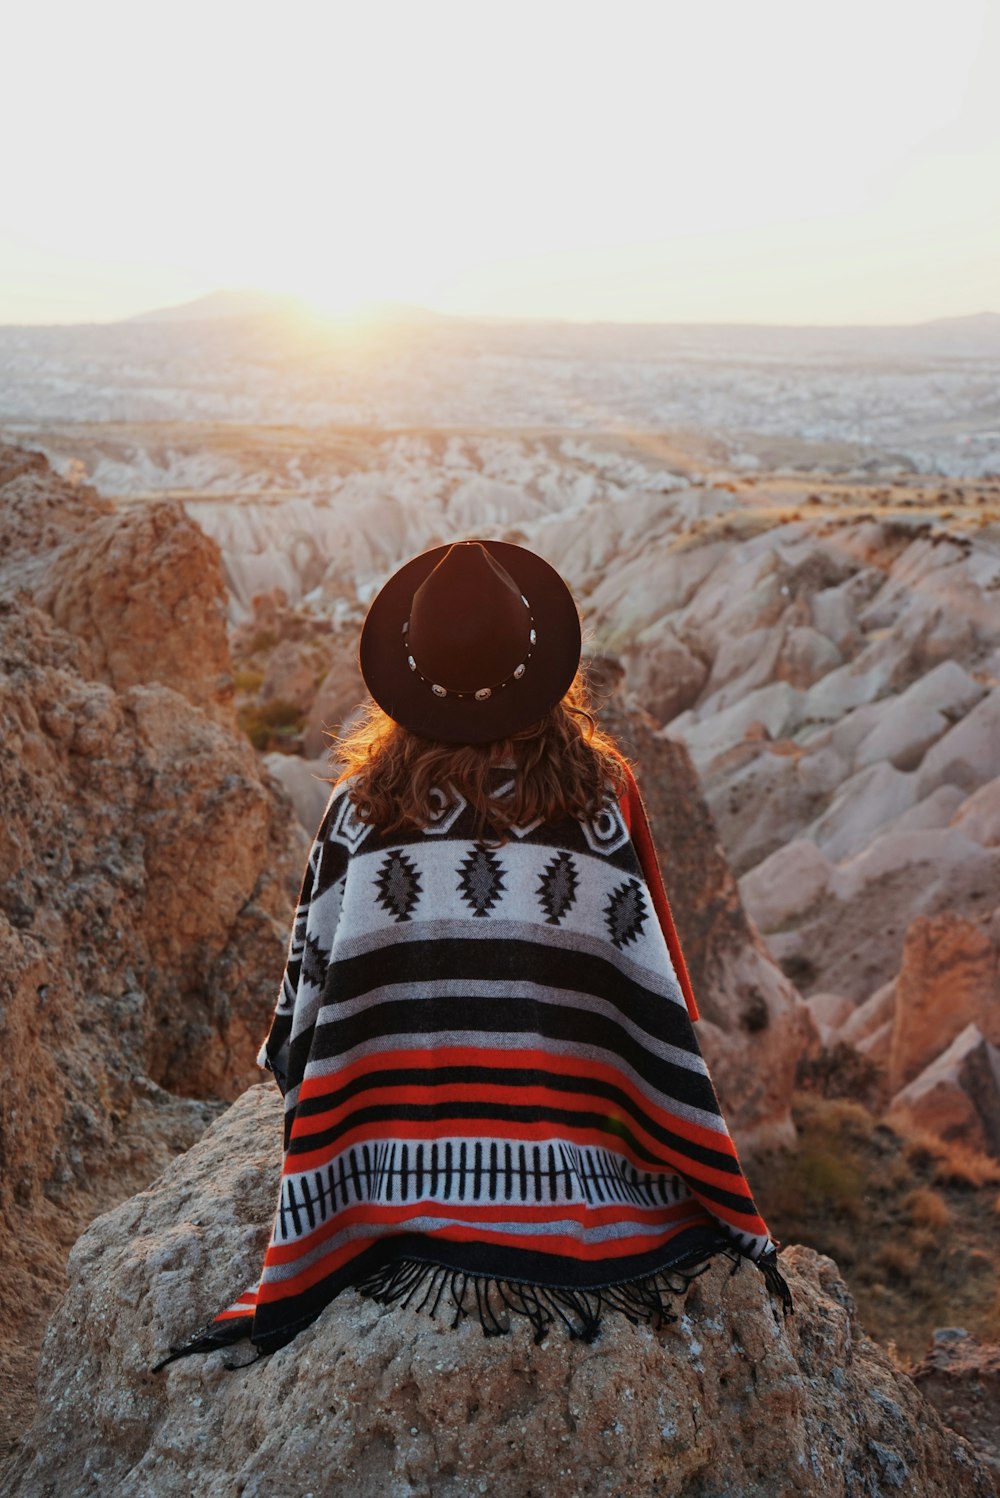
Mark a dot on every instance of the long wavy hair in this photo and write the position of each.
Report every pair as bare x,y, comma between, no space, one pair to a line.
564,765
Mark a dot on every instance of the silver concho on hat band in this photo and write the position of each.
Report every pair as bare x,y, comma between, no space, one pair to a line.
481,694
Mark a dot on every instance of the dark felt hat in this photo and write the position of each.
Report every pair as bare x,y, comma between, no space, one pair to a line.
471,642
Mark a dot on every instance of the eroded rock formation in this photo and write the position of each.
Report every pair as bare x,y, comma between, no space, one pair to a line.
148,869
730,1398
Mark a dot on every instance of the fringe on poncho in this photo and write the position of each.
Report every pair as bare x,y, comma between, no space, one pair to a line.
495,1102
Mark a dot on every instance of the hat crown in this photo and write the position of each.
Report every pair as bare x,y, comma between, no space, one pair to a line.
469,626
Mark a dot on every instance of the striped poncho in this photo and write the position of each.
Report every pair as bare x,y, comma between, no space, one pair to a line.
494,1096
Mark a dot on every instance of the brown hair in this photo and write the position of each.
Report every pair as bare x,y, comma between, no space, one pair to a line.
565,764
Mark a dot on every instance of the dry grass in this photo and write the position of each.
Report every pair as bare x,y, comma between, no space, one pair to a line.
965,1168
271,725
247,678
927,1208
911,1221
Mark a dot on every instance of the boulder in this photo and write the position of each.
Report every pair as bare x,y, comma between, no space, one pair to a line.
663,677
960,1377
967,755
148,874
292,674
307,783
949,978
863,804
938,1101
338,695
851,940
920,716
871,1016
978,815
730,1397
787,886
144,588
829,1010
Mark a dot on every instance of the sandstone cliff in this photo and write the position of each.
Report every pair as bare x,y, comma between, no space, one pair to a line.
147,871
729,1399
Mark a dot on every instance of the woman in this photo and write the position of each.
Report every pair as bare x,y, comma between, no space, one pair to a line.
494,1097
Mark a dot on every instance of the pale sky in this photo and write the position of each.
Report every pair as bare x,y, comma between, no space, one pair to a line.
629,160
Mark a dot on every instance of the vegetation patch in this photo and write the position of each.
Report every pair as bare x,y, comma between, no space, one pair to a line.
911,1220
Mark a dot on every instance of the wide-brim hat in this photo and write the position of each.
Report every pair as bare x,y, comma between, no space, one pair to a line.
471,642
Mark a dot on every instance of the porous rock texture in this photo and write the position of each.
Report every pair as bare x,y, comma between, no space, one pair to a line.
729,1399
961,1378
148,871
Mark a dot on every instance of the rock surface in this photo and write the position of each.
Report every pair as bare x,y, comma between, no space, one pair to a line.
731,1398
961,1378
148,872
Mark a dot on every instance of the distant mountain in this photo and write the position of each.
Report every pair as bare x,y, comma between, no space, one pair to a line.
217,305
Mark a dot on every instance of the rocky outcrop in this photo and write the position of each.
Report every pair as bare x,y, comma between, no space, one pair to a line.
729,1398
148,872
144,589
961,1378
949,979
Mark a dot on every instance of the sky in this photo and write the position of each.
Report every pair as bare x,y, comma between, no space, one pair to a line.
617,160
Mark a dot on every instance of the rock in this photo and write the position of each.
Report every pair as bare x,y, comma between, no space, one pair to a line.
919,717
936,810
830,1010
876,1045
834,615
292,675
968,755
369,1400
937,1101
949,978
338,696
871,1016
960,1377
761,797
148,873
978,816
307,783
786,886
663,677
144,588
851,941
862,805
777,706
805,656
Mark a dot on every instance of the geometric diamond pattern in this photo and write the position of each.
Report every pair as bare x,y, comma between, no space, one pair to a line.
625,912
314,963
398,884
481,884
557,891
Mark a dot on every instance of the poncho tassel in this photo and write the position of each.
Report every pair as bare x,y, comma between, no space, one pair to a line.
214,1337
412,1282
775,1281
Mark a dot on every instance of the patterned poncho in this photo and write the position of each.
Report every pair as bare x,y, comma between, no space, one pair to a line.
494,1096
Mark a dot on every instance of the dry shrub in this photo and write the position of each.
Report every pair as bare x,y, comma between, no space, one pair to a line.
899,1262
269,724
247,678
965,1168
927,1208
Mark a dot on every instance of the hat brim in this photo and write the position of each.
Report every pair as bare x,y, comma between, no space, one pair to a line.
462,720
